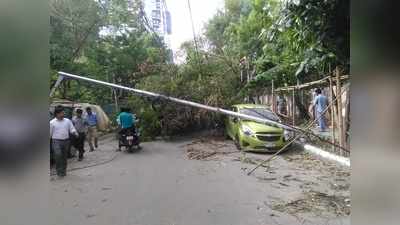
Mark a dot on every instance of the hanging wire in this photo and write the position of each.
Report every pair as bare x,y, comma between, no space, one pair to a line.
196,45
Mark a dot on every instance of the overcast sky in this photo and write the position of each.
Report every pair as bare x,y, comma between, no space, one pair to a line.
202,11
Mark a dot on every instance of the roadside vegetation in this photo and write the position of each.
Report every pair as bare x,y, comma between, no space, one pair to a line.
284,41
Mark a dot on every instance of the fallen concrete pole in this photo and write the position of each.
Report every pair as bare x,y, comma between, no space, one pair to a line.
327,155
183,102
58,82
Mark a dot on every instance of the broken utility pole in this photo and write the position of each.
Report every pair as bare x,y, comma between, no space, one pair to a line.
180,101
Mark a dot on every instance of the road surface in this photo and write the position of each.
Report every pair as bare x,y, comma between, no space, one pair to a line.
198,181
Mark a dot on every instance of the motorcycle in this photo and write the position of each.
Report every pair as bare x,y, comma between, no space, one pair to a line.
129,138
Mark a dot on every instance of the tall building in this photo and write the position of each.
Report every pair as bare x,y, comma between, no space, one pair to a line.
159,18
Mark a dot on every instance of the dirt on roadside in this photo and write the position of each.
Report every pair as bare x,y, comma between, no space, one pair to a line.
317,203
315,187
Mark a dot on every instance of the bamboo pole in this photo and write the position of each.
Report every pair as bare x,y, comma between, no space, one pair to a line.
290,107
332,114
241,74
310,84
346,119
273,96
347,127
339,104
293,108
247,70
114,91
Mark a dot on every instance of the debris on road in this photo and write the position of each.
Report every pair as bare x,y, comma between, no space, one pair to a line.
342,186
308,162
317,203
199,154
283,184
208,148
316,187
266,178
90,215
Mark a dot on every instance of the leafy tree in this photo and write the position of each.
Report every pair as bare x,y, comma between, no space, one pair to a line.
106,39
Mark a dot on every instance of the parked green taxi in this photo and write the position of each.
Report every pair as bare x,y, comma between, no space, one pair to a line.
253,136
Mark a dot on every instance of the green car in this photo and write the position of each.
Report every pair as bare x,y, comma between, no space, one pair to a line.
254,136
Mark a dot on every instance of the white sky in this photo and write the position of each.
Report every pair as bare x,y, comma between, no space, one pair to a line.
202,11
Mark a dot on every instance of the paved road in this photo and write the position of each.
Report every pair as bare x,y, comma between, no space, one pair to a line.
161,186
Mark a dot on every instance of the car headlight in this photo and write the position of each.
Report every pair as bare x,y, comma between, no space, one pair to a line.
288,135
247,130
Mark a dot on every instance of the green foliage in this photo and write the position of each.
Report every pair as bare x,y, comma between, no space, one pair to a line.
107,41
301,39
285,40
104,39
217,87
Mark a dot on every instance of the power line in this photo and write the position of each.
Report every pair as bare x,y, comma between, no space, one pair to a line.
196,46
147,24
193,30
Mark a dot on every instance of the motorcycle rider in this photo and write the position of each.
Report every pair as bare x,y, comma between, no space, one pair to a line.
126,120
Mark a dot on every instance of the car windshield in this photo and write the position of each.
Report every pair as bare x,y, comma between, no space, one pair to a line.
260,113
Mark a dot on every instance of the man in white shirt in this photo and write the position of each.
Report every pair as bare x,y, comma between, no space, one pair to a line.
60,129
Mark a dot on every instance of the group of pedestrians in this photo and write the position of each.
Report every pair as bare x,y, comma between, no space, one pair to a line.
64,132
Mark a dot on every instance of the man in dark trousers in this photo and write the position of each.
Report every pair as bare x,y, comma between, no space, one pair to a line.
60,128
91,119
80,126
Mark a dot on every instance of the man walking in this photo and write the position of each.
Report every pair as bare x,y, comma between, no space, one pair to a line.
91,119
60,128
281,105
81,126
320,103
